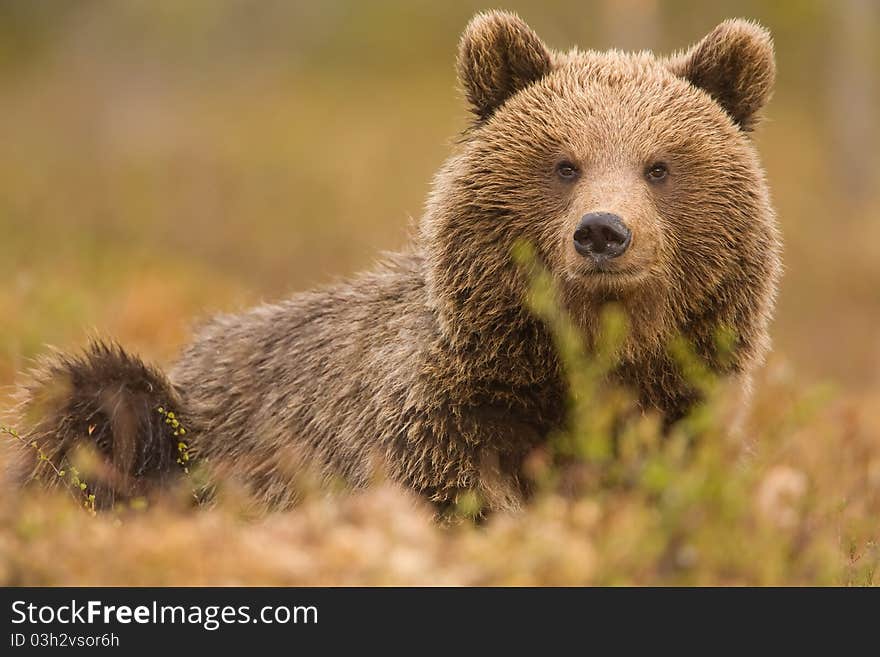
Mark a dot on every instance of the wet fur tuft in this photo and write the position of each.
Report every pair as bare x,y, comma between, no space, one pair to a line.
104,402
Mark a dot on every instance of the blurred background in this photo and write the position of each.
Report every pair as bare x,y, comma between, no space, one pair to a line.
165,160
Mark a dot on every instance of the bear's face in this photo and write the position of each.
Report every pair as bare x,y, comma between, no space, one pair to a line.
632,176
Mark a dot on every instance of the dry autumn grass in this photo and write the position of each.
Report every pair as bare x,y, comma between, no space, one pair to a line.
157,176
800,509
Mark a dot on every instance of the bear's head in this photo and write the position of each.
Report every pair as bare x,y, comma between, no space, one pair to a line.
633,176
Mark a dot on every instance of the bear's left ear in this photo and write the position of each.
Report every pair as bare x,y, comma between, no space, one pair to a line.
735,65
499,55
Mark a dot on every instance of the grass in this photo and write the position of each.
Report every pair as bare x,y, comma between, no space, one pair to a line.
799,509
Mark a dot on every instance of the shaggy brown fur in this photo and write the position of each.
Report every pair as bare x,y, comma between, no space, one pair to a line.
430,365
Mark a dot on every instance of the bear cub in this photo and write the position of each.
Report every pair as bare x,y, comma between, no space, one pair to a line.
635,179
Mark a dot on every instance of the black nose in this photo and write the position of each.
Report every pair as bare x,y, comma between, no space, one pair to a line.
601,234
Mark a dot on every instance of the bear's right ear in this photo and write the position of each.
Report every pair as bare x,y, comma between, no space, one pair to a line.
499,55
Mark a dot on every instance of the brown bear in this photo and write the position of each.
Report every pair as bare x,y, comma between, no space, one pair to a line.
635,179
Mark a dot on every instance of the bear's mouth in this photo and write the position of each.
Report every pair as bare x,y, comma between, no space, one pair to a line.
607,268
611,277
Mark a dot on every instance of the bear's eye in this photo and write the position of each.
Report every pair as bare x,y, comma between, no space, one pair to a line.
567,171
656,172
